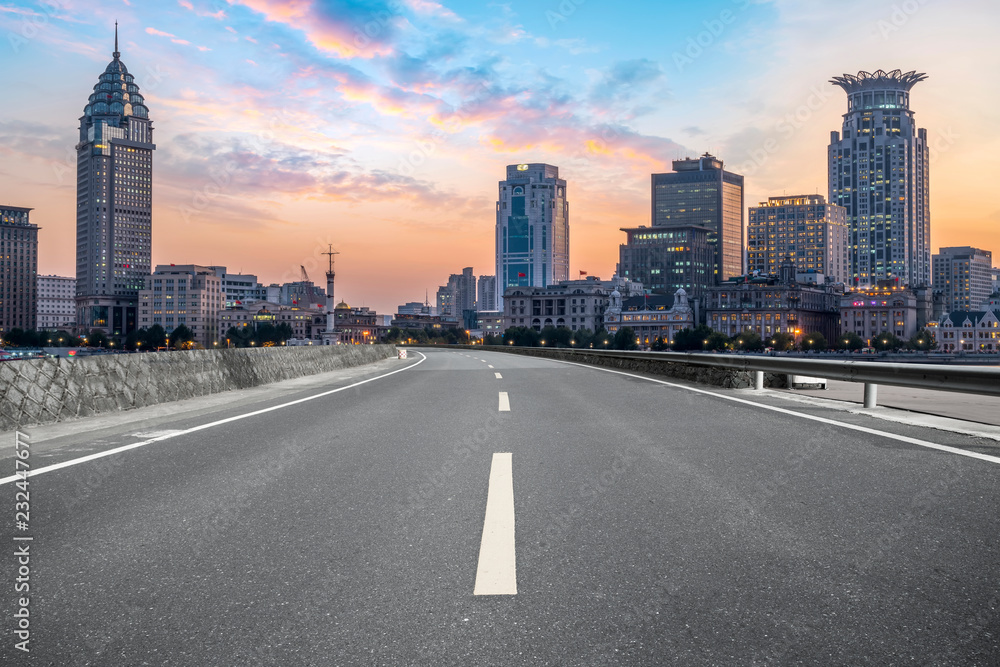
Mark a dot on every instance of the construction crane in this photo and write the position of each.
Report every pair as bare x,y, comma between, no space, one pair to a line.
305,276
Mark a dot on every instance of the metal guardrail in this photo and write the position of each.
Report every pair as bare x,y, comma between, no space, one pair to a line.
939,377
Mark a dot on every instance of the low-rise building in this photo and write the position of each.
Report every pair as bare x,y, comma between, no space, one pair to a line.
306,323
357,326
56,303
187,294
574,304
969,331
240,288
416,308
651,317
883,309
767,306
490,322
420,321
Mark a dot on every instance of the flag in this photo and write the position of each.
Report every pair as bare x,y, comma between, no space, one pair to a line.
239,303
583,273
522,275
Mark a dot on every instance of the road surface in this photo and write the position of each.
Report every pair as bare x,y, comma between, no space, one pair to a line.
480,508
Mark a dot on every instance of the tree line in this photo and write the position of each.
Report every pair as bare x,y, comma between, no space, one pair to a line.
705,338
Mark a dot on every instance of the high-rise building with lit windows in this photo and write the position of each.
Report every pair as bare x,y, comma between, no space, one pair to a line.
113,203
700,192
18,269
532,232
964,277
878,171
803,227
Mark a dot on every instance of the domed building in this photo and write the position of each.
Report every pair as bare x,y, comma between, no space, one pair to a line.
357,326
114,203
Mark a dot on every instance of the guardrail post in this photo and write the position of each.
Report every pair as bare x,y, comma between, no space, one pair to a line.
758,380
871,394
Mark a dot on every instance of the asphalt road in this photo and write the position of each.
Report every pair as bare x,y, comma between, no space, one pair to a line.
654,525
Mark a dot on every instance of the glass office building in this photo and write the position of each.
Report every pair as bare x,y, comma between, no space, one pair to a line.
700,192
665,260
532,231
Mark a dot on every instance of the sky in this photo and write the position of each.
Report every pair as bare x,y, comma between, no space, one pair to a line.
382,127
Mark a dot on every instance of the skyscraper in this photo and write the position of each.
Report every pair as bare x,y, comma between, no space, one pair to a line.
18,269
878,171
532,233
113,202
700,192
804,227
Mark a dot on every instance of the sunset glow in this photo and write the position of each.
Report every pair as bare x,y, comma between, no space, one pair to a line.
383,126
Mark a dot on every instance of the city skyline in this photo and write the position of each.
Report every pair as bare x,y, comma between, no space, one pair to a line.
380,127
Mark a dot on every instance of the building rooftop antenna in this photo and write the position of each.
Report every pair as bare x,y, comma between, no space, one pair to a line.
331,252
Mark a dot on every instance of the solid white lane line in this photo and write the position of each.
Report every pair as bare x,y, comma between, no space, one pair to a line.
497,570
499,377
504,402
174,434
822,420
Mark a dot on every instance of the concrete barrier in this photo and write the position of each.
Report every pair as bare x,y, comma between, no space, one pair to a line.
40,391
719,377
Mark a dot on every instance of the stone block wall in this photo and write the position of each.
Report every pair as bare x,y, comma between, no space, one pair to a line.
40,391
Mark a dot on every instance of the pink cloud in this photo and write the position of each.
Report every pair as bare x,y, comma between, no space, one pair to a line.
333,35
173,38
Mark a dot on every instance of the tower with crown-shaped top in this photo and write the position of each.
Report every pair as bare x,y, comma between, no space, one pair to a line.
114,203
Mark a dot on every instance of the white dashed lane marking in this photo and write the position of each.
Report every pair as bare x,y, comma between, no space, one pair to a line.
496,573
